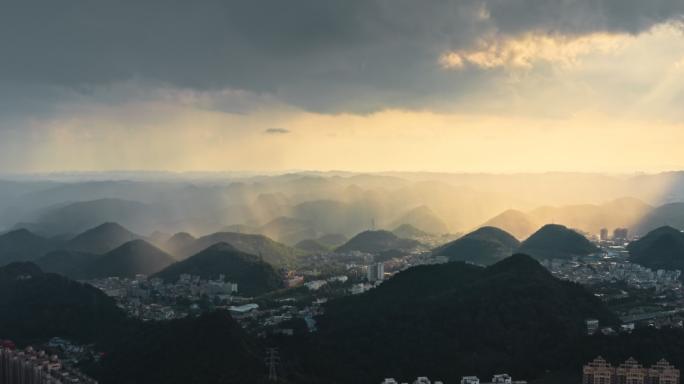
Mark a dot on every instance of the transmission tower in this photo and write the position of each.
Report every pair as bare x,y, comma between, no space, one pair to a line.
272,360
372,224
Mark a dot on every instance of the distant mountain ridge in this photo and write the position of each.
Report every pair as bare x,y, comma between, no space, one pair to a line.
130,259
517,223
272,251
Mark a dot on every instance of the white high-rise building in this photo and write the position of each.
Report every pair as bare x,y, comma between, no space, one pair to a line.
376,272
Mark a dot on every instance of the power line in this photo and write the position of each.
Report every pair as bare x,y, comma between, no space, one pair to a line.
272,360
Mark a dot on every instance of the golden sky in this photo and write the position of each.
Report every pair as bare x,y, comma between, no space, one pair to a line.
602,100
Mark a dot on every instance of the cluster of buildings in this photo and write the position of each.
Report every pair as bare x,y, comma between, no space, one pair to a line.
630,372
135,295
498,379
619,234
255,321
594,269
71,353
30,366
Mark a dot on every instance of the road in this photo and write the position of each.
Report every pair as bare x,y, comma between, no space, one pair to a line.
646,316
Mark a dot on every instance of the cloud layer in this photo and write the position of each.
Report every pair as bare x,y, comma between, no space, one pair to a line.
353,56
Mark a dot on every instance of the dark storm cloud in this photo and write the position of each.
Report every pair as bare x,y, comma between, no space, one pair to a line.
332,56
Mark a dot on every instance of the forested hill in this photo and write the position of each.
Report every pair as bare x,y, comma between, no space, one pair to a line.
376,241
211,348
486,245
456,319
48,305
23,245
636,247
556,241
253,276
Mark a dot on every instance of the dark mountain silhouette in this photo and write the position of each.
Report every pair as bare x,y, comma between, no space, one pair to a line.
485,246
556,241
23,245
517,223
204,357
636,247
408,231
333,239
101,239
311,245
376,241
253,275
18,268
666,252
462,320
132,258
64,261
49,305
272,251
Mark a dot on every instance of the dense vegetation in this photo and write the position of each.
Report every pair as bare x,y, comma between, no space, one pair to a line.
666,252
22,245
517,223
452,320
64,261
376,241
49,305
636,247
272,251
253,275
556,241
408,230
484,246
101,239
131,258
211,348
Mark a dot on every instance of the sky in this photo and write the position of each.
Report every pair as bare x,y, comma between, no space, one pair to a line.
372,85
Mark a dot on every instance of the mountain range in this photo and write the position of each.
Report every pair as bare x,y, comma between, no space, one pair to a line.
184,245
129,259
